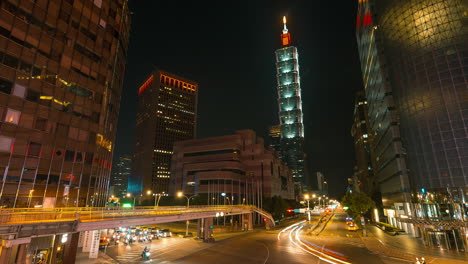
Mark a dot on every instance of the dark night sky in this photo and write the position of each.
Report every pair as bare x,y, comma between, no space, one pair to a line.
228,48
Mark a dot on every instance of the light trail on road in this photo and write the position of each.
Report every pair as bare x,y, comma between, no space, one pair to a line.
323,254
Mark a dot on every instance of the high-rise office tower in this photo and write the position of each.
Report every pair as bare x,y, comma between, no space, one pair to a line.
167,110
322,184
413,58
274,136
119,177
61,71
363,139
290,106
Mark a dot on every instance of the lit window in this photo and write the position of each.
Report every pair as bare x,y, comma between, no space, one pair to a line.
102,23
12,116
98,3
19,90
5,143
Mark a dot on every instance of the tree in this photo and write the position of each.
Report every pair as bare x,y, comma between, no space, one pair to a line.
358,204
276,206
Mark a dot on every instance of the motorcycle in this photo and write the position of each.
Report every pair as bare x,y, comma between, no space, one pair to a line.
145,254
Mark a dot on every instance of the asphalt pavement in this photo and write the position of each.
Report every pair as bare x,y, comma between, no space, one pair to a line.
335,244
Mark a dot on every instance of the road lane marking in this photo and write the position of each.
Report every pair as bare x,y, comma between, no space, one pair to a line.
268,252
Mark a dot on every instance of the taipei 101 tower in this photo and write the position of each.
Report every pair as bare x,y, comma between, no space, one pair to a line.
290,108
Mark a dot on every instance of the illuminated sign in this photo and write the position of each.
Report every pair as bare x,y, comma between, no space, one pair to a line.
173,82
127,205
103,142
146,84
44,97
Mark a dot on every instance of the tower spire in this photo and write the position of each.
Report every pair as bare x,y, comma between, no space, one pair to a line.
285,29
285,37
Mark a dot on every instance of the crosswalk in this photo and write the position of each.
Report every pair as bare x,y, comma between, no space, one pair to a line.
159,253
129,257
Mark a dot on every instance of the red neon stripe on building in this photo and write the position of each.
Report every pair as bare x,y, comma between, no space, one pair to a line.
170,81
145,85
367,20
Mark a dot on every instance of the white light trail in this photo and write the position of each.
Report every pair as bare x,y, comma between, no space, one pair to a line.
294,237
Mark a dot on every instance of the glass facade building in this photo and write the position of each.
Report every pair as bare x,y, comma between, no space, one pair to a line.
390,156
119,178
363,139
414,58
167,110
290,106
414,55
61,70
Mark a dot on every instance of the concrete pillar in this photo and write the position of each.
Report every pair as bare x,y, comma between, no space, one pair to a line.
5,254
14,250
81,239
247,223
70,248
207,231
87,240
94,249
22,252
200,228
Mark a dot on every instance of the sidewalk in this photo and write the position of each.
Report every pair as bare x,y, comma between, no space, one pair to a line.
408,248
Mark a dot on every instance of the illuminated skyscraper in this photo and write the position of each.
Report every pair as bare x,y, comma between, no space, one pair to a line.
414,63
166,114
414,71
290,106
61,71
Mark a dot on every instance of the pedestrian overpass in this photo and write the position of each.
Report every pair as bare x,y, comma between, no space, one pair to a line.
18,226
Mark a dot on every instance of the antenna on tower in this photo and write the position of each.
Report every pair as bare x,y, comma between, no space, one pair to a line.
285,29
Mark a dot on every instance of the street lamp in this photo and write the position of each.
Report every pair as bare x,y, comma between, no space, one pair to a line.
130,195
157,198
307,197
181,194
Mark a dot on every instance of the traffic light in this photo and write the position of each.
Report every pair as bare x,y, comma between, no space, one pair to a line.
264,219
290,210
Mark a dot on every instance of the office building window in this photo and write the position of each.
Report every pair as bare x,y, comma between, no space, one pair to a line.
19,90
5,143
70,155
32,96
12,116
41,124
34,149
5,86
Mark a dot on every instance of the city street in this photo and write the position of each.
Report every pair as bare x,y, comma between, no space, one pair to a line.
289,244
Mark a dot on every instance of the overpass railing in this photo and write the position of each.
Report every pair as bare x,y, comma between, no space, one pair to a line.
16,216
